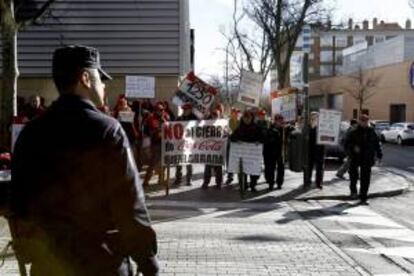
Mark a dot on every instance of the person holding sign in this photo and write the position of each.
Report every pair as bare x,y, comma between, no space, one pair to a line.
362,146
272,153
249,132
218,170
124,114
187,116
316,152
152,129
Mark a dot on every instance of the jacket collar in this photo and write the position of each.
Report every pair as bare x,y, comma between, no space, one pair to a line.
73,102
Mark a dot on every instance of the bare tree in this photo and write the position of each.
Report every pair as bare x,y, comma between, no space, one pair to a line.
362,87
282,22
15,15
247,46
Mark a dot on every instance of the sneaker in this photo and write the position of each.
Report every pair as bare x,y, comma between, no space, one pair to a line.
363,202
177,182
188,183
204,186
253,189
228,181
319,186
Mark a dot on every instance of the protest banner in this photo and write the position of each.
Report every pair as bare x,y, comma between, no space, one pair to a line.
139,87
195,91
251,86
296,70
194,142
328,127
251,155
285,104
126,116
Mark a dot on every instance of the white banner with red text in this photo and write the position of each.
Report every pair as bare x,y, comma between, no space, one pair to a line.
195,142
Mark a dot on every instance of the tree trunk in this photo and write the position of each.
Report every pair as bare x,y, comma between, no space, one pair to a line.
8,93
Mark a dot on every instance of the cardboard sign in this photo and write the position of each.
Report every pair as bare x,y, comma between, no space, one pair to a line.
284,104
195,91
251,155
194,142
126,116
328,127
296,70
251,86
16,129
139,87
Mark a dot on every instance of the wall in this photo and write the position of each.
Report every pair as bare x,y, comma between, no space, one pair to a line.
392,88
164,88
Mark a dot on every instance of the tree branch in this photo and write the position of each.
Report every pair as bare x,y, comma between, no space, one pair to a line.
41,12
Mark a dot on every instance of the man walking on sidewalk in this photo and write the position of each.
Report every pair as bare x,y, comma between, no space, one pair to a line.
77,201
363,147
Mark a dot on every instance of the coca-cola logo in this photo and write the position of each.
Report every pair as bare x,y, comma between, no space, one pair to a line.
205,145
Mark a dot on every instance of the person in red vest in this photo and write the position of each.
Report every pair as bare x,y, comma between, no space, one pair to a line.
34,108
152,128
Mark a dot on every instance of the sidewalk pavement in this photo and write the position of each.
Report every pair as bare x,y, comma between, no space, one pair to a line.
385,181
215,232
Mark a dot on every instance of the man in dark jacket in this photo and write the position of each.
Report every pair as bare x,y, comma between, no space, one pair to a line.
75,191
316,154
362,146
272,153
186,116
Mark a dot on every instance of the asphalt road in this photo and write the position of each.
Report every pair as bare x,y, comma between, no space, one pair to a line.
401,157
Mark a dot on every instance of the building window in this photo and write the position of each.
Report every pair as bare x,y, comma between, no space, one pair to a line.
379,39
341,41
365,111
311,70
355,113
397,113
326,41
326,56
326,70
359,39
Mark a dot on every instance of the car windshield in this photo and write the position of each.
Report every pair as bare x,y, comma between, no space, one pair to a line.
410,126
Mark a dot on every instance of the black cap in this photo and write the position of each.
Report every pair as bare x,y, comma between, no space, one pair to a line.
75,57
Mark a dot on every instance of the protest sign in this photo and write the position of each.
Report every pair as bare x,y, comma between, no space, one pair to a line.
296,70
194,142
139,87
126,116
251,155
284,104
195,91
328,127
251,86
16,129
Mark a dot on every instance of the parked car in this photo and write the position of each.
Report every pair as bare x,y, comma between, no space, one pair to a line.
399,133
379,126
338,151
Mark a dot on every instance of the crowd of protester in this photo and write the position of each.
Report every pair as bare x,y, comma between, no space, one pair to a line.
251,126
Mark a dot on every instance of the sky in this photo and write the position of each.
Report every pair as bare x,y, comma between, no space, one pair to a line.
209,17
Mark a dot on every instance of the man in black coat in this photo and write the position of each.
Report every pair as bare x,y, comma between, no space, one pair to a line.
77,203
272,153
362,146
316,154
